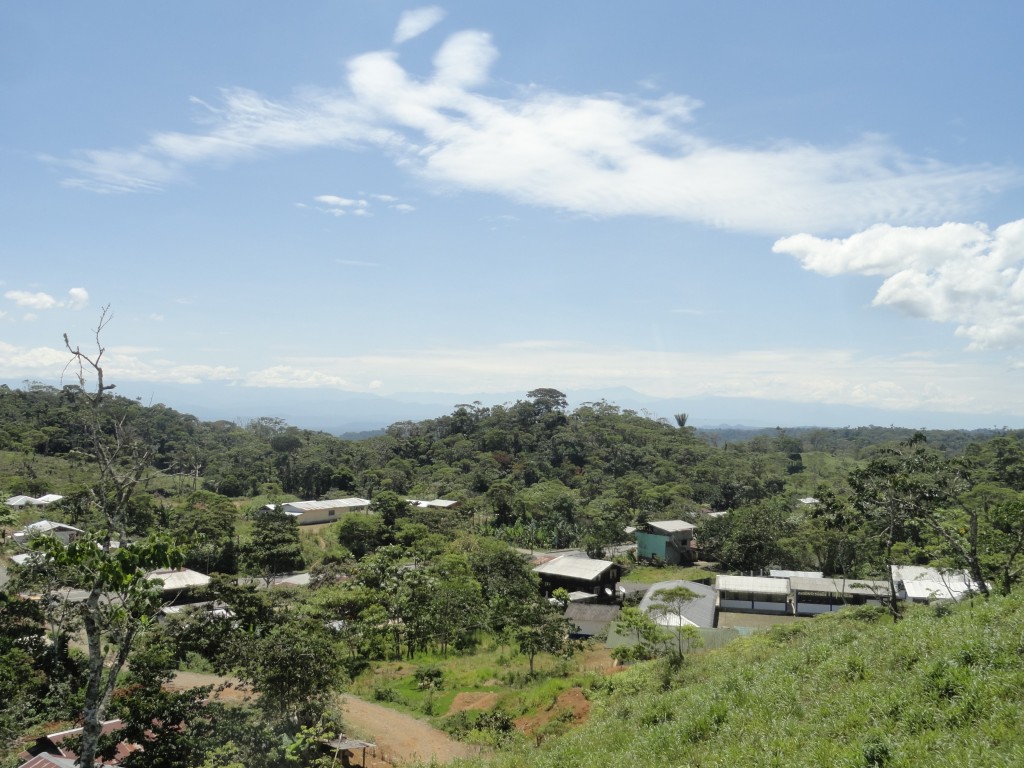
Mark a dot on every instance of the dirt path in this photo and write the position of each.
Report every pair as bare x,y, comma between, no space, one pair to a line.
401,739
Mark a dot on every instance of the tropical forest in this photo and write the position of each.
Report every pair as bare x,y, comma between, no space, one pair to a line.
301,644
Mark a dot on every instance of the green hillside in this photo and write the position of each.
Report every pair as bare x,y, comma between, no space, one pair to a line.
943,687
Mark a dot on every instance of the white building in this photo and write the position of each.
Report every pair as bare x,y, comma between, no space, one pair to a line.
326,511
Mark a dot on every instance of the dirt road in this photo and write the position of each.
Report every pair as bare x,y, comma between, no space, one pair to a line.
400,738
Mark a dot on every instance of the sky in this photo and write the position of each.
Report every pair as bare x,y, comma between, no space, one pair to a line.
792,202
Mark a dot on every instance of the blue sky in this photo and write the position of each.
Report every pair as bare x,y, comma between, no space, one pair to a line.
803,202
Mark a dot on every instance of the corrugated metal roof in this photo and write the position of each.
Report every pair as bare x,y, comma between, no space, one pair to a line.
759,585
837,585
574,567
924,583
310,506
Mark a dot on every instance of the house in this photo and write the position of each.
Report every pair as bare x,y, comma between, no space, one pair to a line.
326,511
671,541
754,594
65,533
179,584
435,504
921,584
50,751
580,574
814,593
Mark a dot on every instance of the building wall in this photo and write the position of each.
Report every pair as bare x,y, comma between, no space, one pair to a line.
649,545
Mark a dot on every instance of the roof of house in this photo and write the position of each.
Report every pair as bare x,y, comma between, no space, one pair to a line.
441,503
45,526
671,526
179,578
46,760
19,501
49,498
569,567
591,618
758,585
837,585
924,583
49,750
298,507
700,612
781,574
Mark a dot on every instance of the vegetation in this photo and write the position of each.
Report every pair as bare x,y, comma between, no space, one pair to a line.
412,607
942,687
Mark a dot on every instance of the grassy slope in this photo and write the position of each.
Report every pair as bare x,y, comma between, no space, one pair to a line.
852,689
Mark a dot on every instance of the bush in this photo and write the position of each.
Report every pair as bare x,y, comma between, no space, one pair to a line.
429,678
386,693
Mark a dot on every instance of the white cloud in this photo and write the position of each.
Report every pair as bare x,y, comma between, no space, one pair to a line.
78,298
903,382
953,273
601,154
289,377
417,21
798,375
32,300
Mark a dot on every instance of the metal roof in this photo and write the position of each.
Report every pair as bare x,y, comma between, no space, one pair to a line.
780,574
671,526
311,506
837,585
700,612
759,585
574,567
924,583
181,578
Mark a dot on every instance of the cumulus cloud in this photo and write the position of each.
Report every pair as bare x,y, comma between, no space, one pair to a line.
953,273
602,154
78,298
32,300
417,21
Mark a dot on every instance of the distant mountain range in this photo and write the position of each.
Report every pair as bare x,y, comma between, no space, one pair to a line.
343,412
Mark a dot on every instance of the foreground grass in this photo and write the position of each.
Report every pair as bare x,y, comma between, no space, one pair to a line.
943,687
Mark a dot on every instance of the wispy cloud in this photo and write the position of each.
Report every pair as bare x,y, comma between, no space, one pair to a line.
415,22
78,298
953,273
359,206
602,154
913,381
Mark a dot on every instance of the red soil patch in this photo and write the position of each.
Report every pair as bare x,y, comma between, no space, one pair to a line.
570,705
469,700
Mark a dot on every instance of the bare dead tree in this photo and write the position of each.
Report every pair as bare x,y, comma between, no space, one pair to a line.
119,601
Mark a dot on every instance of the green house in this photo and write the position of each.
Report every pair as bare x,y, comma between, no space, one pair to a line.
671,541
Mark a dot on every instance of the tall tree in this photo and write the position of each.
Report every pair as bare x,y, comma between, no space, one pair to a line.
120,602
274,548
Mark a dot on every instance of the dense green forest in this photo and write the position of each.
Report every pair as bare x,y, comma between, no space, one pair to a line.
428,584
